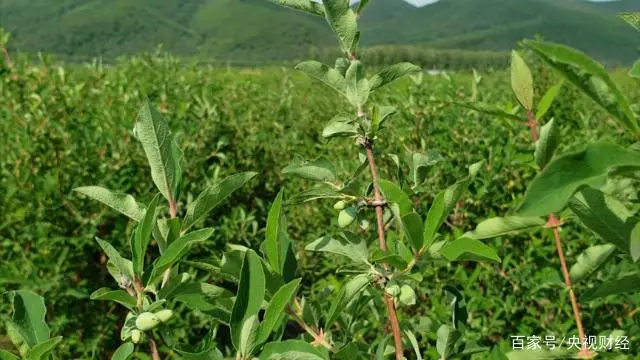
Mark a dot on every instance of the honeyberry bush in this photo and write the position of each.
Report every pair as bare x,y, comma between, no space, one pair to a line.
233,125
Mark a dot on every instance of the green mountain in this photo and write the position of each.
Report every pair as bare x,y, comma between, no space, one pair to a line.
259,31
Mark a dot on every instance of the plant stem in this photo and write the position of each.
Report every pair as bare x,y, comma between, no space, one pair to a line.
388,300
318,335
553,223
154,350
532,123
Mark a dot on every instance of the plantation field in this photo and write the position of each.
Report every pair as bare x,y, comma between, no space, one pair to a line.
65,126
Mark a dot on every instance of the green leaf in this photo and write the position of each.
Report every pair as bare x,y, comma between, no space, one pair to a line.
278,248
248,335
635,70
379,115
413,227
119,296
123,352
414,343
500,226
447,338
329,76
547,143
5,355
547,100
153,132
590,261
463,249
552,188
321,191
634,248
357,90
348,245
142,236
341,125
307,6
122,265
177,250
27,326
394,194
277,306
489,110
42,351
343,22
623,285
420,163
120,202
320,169
590,77
521,81
251,291
347,293
291,350
604,215
391,74
442,206
213,196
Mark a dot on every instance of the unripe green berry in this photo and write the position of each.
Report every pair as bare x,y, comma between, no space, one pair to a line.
340,205
347,216
147,321
164,315
407,295
392,288
135,336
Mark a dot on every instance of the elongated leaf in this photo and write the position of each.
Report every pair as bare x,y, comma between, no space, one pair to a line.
277,246
590,77
177,250
547,100
123,352
320,169
547,143
273,315
154,134
552,188
521,81
329,76
208,353
420,163
213,196
346,245
414,344
142,236
489,110
343,22
634,248
28,318
248,335
43,350
500,226
357,90
321,191
590,261
414,227
347,293
635,70
120,202
340,125
291,350
393,194
623,285
447,338
119,296
251,291
122,265
391,74
5,355
604,215
307,6
442,206
467,249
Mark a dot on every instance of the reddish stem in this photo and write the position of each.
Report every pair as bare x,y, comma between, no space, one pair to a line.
553,223
154,350
532,123
388,300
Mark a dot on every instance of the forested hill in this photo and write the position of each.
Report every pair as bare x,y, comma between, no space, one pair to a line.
257,30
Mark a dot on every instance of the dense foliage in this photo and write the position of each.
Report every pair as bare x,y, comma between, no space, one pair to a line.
70,126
